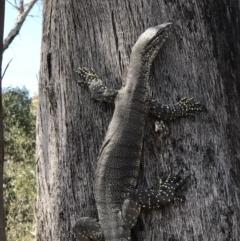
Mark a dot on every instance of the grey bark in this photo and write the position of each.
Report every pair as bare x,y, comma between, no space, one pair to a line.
199,60
2,216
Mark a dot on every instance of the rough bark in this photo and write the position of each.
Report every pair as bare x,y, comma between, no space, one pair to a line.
2,216
199,60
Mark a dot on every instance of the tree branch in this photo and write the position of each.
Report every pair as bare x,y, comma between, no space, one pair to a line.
15,6
5,70
21,18
21,6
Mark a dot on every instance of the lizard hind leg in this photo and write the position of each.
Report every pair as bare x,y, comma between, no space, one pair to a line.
87,229
151,199
131,209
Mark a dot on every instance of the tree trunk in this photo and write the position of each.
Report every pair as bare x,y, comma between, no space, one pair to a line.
2,216
200,60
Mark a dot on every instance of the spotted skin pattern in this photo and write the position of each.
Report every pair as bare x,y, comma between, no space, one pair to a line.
99,91
185,107
118,203
97,88
151,199
86,229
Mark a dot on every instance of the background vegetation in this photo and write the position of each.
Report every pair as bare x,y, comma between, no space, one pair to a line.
19,174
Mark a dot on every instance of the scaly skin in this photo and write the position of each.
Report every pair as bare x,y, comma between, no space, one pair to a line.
119,159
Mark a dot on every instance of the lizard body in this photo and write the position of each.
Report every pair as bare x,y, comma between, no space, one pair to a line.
118,203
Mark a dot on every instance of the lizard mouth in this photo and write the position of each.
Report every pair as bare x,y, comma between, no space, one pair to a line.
150,42
162,28
157,40
162,32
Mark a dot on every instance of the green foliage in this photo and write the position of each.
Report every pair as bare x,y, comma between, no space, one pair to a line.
19,125
19,176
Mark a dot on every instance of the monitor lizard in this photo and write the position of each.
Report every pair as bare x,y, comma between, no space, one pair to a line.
118,201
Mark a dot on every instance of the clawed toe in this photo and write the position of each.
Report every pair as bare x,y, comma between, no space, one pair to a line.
190,105
86,74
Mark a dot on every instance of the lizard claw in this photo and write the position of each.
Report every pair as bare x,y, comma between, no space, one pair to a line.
87,75
179,197
170,186
161,127
189,106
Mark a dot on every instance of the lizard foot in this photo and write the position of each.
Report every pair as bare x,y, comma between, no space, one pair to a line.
161,127
97,88
87,74
87,229
189,106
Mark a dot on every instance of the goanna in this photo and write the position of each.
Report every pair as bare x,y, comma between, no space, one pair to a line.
118,202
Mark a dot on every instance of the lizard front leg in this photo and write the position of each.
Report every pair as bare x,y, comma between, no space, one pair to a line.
87,229
185,107
97,88
136,200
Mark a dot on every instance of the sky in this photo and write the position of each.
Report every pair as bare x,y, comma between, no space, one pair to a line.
24,50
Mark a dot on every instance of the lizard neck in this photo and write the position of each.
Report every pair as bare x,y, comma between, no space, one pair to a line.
138,71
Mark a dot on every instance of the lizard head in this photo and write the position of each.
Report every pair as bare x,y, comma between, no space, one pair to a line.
150,42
